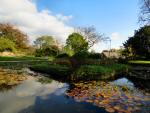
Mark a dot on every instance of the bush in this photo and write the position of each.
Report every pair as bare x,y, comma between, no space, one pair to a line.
99,72
62,61
55,70
94,56
63,55
81,55
49,51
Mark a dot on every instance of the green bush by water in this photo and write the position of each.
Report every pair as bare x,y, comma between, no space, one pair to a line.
52,69
100,71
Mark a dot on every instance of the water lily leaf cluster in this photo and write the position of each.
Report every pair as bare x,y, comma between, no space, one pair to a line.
110,97
10,78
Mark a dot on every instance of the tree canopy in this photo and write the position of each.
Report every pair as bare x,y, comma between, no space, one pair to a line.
77,43
46,46
45,41
139,44
6,45
12,33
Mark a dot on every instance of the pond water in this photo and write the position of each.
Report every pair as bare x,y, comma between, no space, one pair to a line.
36,96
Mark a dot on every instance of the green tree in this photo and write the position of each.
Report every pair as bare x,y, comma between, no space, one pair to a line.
76,43
12,33
139,44
7,45
44,42
46,46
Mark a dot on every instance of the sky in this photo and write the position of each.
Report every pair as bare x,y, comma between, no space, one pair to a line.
117,19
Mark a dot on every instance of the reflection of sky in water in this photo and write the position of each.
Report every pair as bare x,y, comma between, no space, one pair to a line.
124,82
33,97
24,95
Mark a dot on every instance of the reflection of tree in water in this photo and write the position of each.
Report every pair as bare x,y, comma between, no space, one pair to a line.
141,84
111,97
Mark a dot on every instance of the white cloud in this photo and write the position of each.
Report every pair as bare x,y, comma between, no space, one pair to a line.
25,94
116,36
117,40
25,14
64,18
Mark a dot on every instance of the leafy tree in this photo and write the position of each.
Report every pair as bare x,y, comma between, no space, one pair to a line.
12,33
46,46
48,51
77,43
145,11
139,44
6,45
44,42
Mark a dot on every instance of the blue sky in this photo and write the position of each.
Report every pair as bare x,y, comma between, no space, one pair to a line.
111,17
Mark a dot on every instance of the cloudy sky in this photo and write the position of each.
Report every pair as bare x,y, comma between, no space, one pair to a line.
117,19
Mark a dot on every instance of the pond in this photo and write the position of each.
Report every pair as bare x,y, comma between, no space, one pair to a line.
46,95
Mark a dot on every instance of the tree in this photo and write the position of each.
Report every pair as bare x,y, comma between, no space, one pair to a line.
77,43
48,51
46,46
12,33
90,34
44,42
145,11
7,45
139,44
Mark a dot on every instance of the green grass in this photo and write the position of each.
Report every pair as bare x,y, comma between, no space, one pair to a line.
102,71
84,72
52,69
139,62
22,58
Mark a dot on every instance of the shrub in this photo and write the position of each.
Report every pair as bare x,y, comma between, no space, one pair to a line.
49,51
81,55
94,56
63,55
55,70
99,72
62,61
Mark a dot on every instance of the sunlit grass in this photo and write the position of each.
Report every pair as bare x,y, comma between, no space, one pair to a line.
139,62
21,58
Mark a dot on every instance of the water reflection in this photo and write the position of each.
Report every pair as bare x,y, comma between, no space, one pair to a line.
25,94
50,96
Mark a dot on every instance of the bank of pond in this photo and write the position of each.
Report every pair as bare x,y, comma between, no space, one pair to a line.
90,72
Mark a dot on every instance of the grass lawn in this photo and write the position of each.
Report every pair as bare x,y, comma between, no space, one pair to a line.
139,62
22,58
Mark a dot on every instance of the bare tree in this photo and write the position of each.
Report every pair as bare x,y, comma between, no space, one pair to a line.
90,34
145,11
